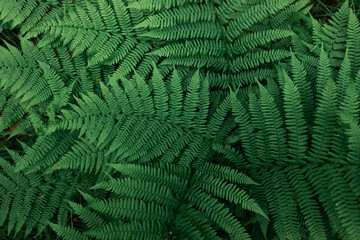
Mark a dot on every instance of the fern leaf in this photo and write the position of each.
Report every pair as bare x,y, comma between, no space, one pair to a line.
304,86
273,124
353,34
246,128
295,121
172,195
324,73
354,138
325,123
67,233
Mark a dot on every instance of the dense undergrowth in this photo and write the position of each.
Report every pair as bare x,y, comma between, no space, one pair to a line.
179,119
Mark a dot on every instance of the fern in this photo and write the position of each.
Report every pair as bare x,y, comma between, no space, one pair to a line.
320,153
25,12
169,121
295,121
104,31
178,119
157,200
29,201
210,35
67,232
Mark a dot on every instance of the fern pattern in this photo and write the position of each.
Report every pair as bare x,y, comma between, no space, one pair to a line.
178,119
167,200
319,152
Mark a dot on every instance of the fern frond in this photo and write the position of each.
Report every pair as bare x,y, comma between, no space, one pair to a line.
255,59
299,76
352,42
324,128
246,128
318,188
45,151
175,197
214,37
149,5
336,31
29,201
67,233
25,12
273,126
256,14
354,138
11,112
295,121
309,207
324,72
83,157
141,110
118,122
282,204
120,230
104,31
344,76
37,76
252,41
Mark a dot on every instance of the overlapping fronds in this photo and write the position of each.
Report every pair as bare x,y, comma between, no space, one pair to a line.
178,119
139,121
29,201
223,38
24,13
158,200
311,183
104,29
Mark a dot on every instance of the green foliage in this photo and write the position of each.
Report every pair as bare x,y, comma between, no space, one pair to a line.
308,174
155,200
178,119
29,201
187,34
